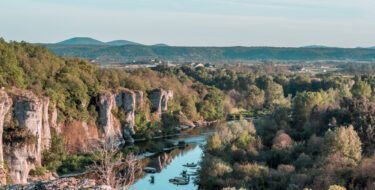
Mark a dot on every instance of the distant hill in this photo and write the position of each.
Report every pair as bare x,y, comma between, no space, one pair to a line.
160,45
81,41
121,43
122,54
315,46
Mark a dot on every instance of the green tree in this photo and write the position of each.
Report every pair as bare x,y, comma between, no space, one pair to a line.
345,142
361,89
212,106
255,98
53,157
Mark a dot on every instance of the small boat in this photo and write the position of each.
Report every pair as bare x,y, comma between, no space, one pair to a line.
149,170
190,165
180,180
152,179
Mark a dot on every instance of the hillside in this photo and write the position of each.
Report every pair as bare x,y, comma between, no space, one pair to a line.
121,54
78,41
81,41
121,43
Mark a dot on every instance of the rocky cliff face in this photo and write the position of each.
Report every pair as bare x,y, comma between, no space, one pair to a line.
22,110
5,104
126,103
30,114
138,99
46,131
106,120
159,99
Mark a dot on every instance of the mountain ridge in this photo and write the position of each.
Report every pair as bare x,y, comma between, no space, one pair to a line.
123,54
92,41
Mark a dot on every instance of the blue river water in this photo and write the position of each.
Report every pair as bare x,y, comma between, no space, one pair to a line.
170,165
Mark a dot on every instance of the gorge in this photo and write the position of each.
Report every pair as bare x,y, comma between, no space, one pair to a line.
24,113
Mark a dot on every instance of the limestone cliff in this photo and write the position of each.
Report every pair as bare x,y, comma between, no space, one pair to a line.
5,104
46,132
139,99
106,120
23,111
159,99
126,103
30,114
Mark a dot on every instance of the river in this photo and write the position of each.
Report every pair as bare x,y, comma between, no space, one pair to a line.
170,164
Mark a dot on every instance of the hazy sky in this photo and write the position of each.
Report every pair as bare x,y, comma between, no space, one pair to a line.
344,23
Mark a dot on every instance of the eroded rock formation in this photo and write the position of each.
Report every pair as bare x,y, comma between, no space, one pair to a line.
46,131
139,99
30,115
22,110
126,103
5,104
123,103
159,99
106,120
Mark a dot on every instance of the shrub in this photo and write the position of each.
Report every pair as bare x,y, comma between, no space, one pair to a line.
53,157
214,143
39,171
75,164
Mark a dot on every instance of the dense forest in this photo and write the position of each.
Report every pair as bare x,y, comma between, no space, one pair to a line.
312,132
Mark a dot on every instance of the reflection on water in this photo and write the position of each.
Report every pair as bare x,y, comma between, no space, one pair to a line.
170,165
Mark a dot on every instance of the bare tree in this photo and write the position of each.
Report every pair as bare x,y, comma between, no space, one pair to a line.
112,168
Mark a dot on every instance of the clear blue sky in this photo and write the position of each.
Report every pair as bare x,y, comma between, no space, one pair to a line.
344,23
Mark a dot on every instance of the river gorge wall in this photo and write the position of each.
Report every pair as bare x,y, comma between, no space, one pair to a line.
26,122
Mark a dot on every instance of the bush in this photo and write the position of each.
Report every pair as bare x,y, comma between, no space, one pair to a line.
75,164
18,135
53,157
39,171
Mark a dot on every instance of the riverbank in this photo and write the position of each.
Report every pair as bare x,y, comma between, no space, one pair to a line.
171,163
191,138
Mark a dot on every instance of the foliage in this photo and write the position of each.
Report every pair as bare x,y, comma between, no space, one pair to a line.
39,171
56,154
212,106
18,135
361,89
75,164
345,142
